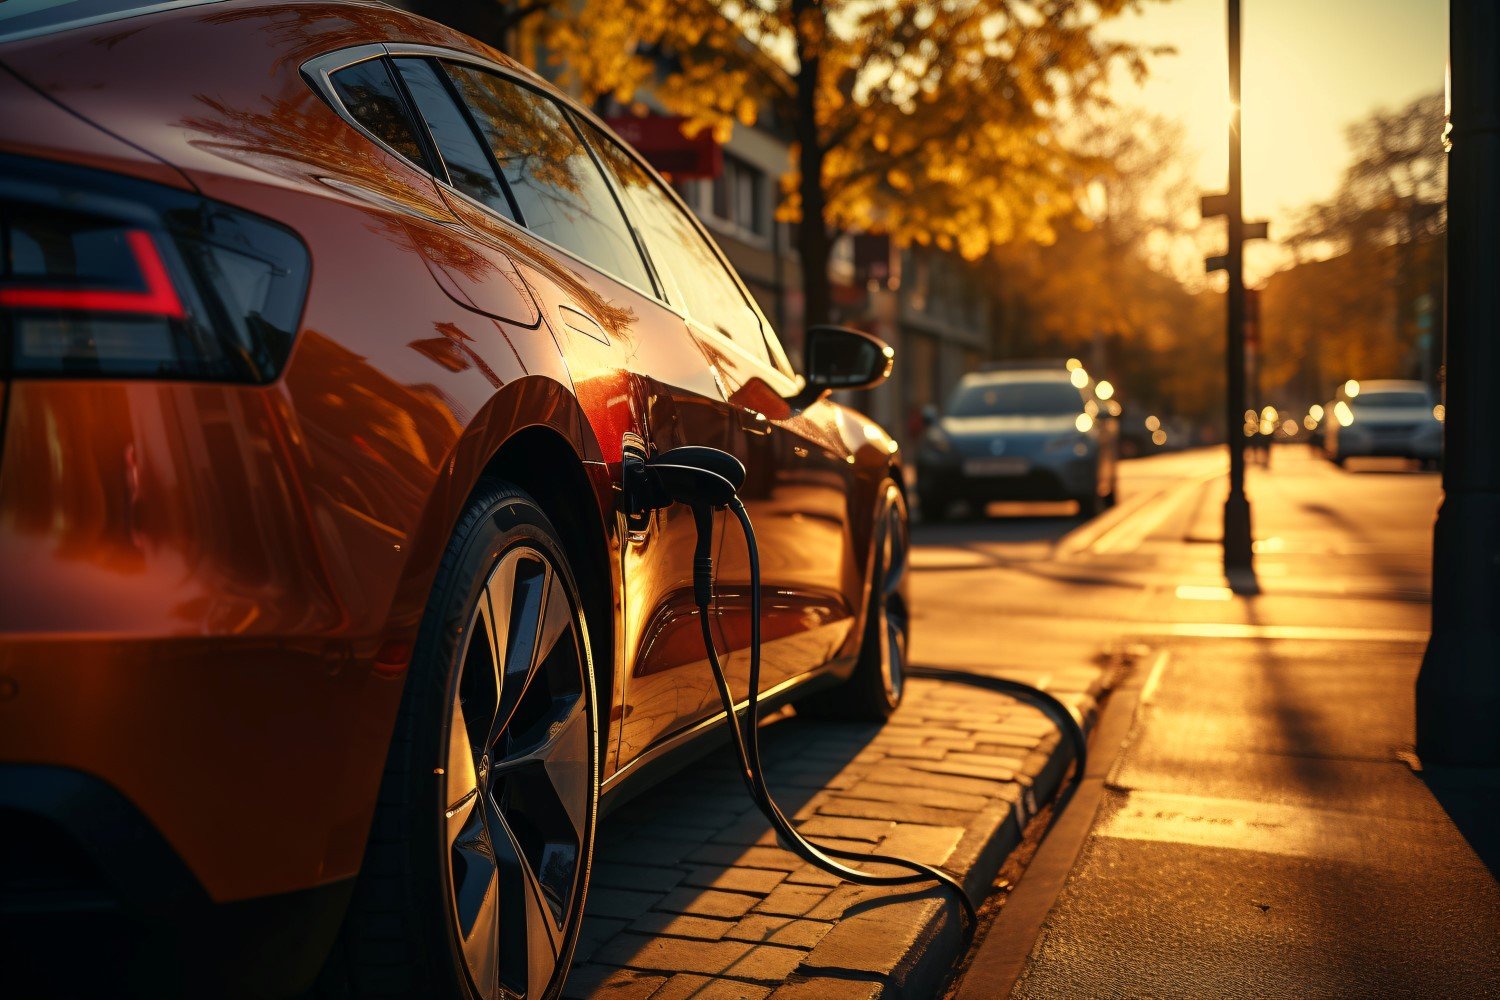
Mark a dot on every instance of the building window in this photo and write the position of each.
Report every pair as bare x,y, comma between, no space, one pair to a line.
739,198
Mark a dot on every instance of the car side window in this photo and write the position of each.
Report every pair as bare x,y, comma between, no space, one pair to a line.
696,278
370,96
469,167
561,195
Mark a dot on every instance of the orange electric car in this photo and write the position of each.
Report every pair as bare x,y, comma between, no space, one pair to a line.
326,617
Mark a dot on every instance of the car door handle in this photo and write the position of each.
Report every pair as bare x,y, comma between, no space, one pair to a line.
582,323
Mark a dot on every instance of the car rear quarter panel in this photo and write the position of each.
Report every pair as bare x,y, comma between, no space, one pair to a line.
212,590
227,580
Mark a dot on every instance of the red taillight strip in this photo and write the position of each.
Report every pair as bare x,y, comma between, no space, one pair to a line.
159,298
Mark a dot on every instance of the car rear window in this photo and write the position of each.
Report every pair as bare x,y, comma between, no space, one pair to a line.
1381,399
469,167
1015,399
558,188
19,18
695,277
370,95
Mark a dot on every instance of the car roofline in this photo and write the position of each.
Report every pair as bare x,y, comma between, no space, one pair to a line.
122,14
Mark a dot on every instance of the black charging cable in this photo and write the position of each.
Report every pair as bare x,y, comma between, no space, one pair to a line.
706,479
1050,705
747,745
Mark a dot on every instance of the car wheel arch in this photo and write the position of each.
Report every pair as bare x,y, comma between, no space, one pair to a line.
540,461
862,507
533,435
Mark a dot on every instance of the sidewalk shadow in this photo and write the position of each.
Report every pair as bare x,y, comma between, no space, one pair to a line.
1471,798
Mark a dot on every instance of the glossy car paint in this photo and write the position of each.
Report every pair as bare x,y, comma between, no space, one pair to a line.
211,591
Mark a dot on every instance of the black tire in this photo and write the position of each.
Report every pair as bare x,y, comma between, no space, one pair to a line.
875,688
441,858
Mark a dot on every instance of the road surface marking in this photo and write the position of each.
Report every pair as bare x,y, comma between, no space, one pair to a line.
1128,535
1271,828
1187,592
948,557
1231,630
1148,689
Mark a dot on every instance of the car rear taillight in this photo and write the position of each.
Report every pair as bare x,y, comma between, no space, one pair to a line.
107,276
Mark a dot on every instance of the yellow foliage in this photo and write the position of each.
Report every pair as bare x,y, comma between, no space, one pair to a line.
934,122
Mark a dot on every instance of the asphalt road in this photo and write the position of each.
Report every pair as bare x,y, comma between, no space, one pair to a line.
1021,588
1263,831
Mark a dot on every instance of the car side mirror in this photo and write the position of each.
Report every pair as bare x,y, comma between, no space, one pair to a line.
837,357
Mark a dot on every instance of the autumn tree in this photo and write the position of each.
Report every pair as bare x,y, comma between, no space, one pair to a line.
937,123
1113,288
1367,281
1394,190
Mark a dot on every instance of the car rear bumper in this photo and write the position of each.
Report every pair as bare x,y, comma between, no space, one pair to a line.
82,871
1424,447
1062,481
174,626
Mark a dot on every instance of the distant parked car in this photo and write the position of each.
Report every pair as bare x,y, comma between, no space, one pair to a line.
1023,434
1387,418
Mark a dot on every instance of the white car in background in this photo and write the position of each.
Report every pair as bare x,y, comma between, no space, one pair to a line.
1388,418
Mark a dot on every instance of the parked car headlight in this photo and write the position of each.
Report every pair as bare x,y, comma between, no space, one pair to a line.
1078,444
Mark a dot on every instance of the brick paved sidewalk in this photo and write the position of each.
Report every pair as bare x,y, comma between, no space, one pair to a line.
692,897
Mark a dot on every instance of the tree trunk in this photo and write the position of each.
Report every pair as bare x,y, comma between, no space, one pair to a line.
813,244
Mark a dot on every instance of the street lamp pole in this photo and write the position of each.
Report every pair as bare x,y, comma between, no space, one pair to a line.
1230,204
1458,690
1237,505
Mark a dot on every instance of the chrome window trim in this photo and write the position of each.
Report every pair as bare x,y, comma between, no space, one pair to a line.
789,384
768,334
530,80
534,238
320,69
397,50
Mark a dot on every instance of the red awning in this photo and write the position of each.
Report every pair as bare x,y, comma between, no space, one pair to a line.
660,140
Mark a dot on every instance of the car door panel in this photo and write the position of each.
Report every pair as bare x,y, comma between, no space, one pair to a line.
798,479
633,368
641,375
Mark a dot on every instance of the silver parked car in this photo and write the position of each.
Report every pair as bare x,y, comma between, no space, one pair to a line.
1393,418
1018,435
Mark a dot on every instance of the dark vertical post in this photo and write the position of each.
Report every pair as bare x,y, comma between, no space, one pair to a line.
1458,690
1237,506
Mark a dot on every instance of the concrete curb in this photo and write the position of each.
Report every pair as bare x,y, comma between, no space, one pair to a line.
1000,958
693,898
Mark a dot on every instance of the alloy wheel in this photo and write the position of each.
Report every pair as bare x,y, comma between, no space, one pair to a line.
519,792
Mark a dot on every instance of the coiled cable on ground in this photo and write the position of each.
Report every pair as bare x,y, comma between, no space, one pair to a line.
746,740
